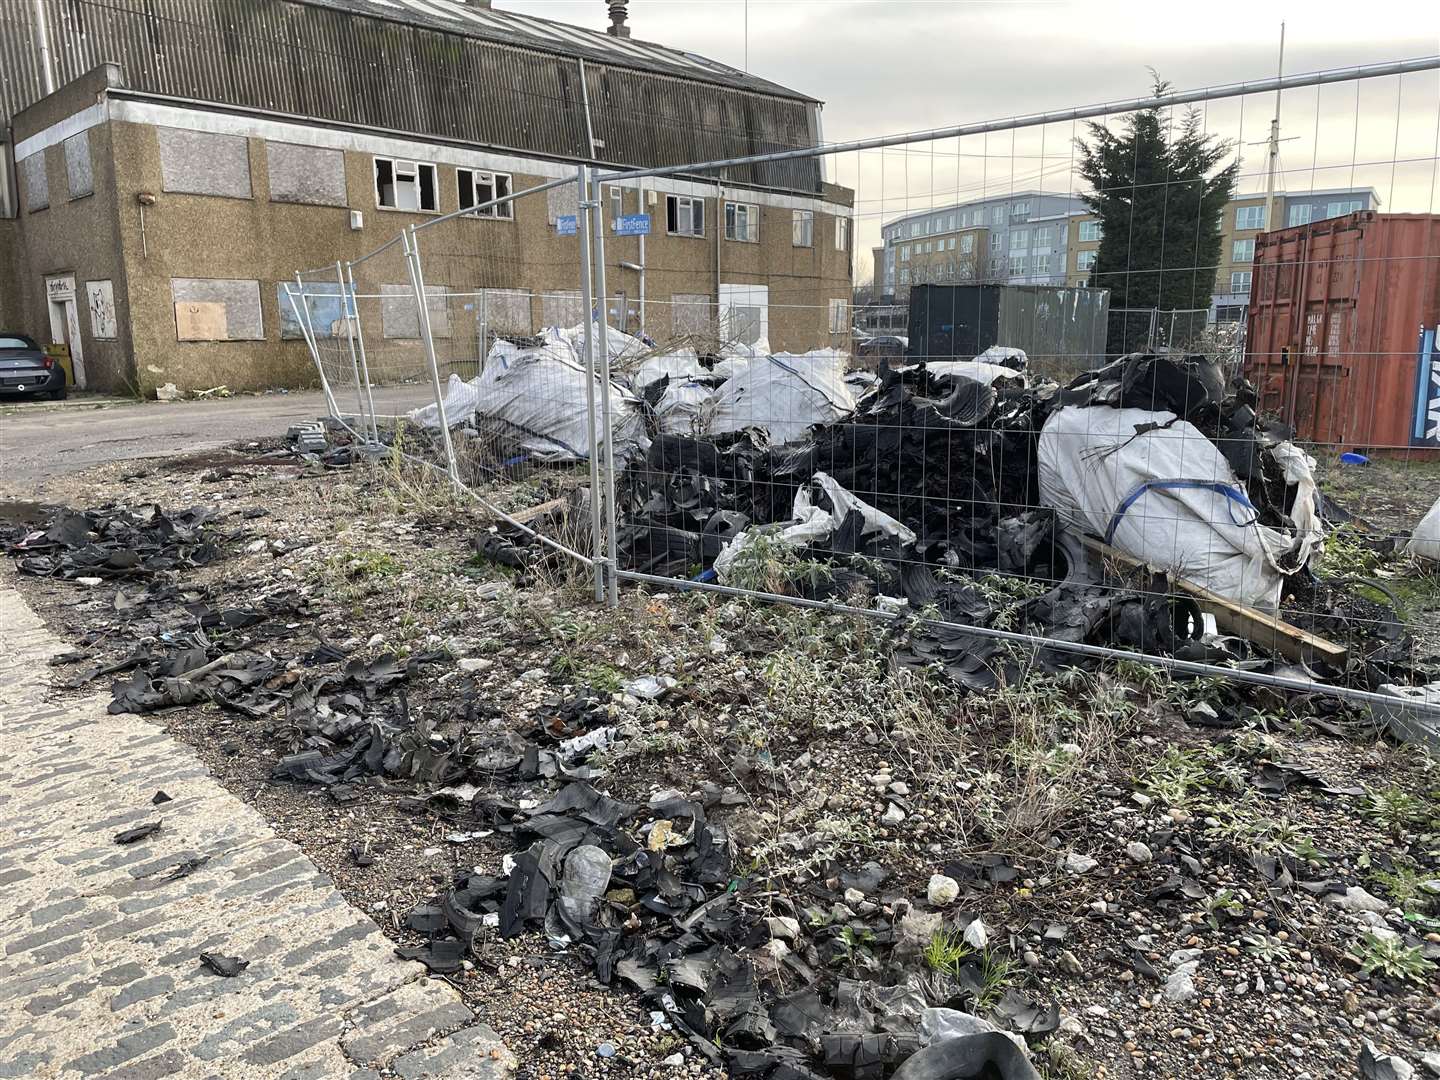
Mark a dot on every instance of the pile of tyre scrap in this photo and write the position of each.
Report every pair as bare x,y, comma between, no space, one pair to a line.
763,983
167,642
117,542
950,478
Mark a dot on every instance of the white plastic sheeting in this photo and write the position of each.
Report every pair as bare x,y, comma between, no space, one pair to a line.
812,524
681,409
972,369
678,364
536,397
784,394
1004,355
1169,498
1425,543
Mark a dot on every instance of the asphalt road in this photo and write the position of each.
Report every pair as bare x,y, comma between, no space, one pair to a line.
48,439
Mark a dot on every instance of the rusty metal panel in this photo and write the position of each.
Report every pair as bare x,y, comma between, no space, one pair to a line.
1333,324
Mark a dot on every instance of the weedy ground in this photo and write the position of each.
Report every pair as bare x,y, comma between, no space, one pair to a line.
803,715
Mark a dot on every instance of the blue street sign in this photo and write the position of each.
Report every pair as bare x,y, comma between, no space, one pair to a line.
633,225
566,225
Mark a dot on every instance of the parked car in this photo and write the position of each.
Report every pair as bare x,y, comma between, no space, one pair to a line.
883,345
26,369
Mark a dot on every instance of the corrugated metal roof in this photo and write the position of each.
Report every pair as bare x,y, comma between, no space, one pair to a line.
335,60
563,39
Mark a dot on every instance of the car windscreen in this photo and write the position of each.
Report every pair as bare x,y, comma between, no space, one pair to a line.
16,343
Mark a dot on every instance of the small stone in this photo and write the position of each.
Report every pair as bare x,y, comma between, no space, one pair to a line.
1069,963
1180,984
89,582
674,1061
1141,800
917,928
1138,852
893,815
854,896
1075,863
1431,1061
472,664
375,641
783,927
255,547
1357,899
899,787
606,1050
1030,958
942,890
976,936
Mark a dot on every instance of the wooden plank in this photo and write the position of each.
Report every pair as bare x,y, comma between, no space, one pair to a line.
524,517
1267,631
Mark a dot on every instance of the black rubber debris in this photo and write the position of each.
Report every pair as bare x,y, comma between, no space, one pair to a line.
139,832
228,966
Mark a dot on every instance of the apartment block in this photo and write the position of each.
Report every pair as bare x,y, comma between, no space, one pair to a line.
1020,238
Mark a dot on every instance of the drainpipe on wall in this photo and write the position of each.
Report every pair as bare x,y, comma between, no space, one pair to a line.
42,40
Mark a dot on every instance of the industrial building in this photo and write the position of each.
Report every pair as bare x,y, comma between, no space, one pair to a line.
166,167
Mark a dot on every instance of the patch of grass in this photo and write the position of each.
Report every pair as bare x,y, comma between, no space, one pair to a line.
1403,884
1221,904
1177,777
1392,959
998,973
1397,810
946,952
1348,555
768,564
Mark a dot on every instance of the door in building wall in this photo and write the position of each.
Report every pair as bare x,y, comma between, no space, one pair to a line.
65,322
745,315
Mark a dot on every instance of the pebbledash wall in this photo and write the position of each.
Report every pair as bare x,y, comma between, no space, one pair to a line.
192,205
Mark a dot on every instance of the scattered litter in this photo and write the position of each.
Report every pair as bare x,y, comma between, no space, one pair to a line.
228,966
139,832
169,392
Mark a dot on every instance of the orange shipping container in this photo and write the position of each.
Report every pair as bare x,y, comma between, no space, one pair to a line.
1337,311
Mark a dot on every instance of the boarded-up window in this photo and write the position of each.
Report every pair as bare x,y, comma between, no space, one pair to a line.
78,172
217,309
35,182
561,202
100,298
201,163
691,313
323,305
399,318
562,308
306,174
504,311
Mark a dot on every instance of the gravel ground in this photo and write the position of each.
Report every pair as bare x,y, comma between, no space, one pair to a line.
1140,904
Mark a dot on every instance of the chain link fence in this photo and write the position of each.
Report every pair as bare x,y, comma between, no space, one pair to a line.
1111,489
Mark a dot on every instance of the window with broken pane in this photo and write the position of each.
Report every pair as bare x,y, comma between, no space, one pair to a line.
475,188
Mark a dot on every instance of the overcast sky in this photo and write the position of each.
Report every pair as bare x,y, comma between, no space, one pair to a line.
884,66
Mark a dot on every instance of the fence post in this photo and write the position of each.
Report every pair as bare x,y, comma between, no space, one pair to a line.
612,545
354,360
352,319
587,298
303,310
422,315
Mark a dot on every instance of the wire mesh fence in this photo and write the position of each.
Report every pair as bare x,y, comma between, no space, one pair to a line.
1116,388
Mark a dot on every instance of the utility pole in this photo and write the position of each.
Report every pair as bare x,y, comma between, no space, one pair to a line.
1274,145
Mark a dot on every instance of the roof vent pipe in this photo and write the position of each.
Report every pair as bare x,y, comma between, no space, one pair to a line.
617,26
